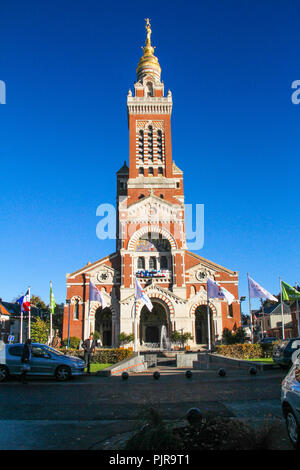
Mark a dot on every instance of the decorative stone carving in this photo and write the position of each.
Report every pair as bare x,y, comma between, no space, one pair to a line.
202,274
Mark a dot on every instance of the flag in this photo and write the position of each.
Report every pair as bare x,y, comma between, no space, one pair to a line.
216,291
255,290
141,294
289,292
52,304
25,302
96,295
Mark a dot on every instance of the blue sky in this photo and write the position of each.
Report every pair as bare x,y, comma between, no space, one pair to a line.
68,66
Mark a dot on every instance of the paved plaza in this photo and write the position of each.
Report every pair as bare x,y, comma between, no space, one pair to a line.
87,411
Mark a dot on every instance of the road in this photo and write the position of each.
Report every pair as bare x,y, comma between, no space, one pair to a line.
77,414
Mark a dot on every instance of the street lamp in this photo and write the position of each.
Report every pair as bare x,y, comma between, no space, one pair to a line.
68,301
242,299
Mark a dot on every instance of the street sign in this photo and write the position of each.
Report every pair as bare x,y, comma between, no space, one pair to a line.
11,339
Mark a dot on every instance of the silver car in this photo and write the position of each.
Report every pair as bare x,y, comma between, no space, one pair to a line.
44,361
290,400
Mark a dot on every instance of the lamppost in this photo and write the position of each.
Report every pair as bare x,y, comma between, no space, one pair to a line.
242,299
68,301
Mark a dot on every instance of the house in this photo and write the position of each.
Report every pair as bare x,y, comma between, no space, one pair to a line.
268,320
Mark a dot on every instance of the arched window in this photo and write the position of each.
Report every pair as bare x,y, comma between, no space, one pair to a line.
76,310
163,262
141,170
152,262
141,196
160,170
150,143
159,144
141,145
149,89
141,262
150,171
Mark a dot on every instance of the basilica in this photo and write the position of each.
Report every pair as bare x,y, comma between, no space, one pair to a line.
150,240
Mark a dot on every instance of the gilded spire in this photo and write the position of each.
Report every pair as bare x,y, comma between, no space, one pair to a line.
148,63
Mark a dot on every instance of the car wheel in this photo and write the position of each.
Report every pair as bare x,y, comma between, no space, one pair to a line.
3,373
292,428
62,373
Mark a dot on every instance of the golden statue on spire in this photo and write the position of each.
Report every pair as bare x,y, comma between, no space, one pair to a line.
149,31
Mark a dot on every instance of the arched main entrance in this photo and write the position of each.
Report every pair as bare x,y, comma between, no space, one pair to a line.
103,324
152,322
201,325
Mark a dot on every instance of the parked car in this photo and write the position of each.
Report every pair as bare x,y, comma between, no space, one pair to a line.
268,339
290,401
44,361
282,354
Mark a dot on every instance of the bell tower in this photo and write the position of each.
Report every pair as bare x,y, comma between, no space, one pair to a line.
151,230
149,121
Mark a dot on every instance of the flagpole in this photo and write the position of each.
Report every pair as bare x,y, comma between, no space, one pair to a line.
29,319
21,326
135,320
250,311
208,321
263,312
50,314
297,309
281,302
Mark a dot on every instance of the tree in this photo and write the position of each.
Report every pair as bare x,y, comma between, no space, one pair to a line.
125,339
230,337
57,319
39,330
38,302
177,337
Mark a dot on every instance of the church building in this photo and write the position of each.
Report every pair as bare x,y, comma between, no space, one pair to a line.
150,240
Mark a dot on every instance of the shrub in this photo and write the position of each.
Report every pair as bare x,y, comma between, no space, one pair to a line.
125,339
39,330
241,351
154,434
233,337
210,433
96,335
268,348
104,356
177,337
74,342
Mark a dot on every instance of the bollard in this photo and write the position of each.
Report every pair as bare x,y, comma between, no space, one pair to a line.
125,376
188,374
194,416
252,371
221,372
156,375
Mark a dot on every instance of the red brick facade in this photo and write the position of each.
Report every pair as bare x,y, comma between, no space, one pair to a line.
151,241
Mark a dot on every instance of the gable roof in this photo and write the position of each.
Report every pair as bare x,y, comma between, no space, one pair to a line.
92,265
3,310
210,263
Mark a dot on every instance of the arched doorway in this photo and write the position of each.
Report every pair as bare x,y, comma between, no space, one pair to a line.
151,323
201,325
103,324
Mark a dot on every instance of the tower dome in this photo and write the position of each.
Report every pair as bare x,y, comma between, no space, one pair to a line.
148,63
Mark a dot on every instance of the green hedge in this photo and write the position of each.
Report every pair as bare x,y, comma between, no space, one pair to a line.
247,350
240,351
103,356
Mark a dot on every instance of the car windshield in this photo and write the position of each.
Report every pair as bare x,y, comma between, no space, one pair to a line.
53,351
